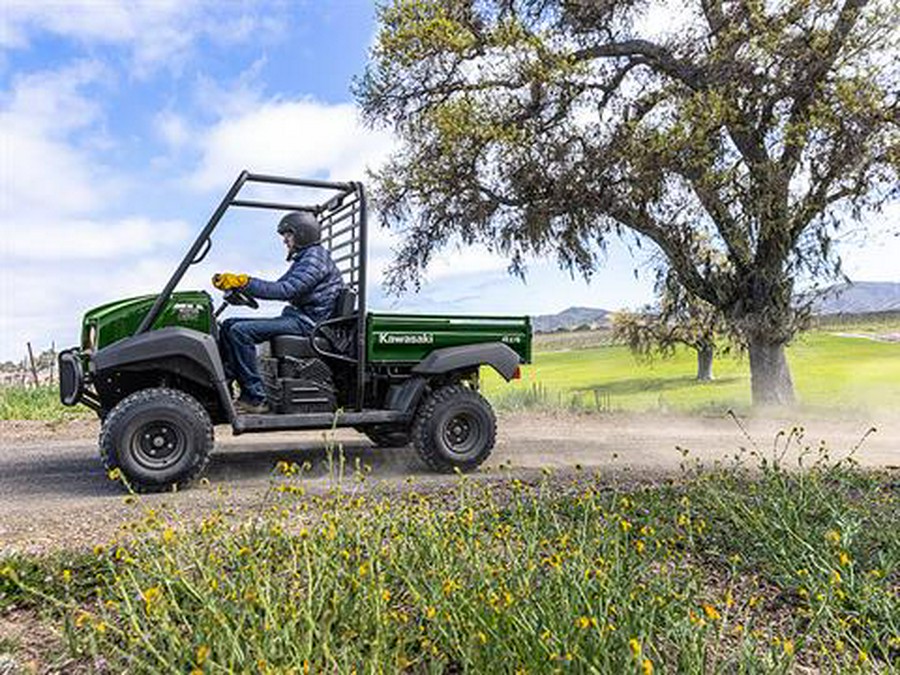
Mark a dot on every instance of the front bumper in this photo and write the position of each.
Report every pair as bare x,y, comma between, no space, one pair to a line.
71,377
73,383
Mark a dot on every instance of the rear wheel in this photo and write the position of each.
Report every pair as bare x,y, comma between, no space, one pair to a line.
455,428
158,438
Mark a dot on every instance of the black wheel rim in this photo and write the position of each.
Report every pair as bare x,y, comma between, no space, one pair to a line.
158,445
462,434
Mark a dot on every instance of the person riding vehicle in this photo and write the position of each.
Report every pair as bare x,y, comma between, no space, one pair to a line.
311,287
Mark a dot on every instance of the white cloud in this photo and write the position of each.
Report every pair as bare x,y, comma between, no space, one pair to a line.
871,254
156,32
173,129
62,241
41,169
76,240
297,138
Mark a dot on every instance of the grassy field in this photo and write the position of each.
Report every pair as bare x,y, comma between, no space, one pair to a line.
36,403
718,572
585,371
830,371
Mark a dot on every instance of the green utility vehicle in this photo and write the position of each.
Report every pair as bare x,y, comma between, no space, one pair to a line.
150,366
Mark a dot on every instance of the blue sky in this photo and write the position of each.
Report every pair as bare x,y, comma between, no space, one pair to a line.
122,123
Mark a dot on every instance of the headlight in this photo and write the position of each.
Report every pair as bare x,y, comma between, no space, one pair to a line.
92,337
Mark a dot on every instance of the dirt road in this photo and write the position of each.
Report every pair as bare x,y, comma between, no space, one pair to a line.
53,490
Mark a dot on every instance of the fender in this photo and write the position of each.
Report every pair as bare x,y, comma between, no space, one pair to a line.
495,354
193,355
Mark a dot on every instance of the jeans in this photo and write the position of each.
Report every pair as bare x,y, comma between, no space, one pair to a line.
238,338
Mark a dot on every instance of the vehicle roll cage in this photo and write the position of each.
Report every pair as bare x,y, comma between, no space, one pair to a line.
343,224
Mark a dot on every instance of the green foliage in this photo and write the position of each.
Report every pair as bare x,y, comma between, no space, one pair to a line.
35,403
717,572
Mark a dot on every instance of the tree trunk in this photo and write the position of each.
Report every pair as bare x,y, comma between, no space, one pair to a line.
704,363
770,377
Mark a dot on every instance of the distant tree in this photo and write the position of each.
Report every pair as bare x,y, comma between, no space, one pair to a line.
679,319
545,126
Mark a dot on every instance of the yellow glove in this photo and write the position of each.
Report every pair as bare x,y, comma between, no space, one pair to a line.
226,281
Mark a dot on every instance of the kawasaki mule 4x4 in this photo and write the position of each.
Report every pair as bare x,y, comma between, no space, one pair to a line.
150,366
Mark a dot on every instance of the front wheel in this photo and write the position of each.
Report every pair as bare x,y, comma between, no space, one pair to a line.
455,428
158,438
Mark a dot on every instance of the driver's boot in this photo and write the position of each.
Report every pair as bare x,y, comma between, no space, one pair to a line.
243,407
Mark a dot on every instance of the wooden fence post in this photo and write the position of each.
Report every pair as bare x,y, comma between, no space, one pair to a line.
33,368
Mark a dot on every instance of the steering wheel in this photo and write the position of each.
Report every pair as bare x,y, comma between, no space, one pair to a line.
236,296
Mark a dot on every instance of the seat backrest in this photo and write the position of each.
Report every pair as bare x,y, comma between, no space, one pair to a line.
345,304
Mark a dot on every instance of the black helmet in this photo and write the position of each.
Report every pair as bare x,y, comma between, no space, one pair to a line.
303,225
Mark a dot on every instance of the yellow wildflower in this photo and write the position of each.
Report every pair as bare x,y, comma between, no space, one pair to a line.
168,535
788,646
450,586
844,558
625,525
202,654
635,647
647,667
151,596
833,537
386,595
711,612
67,576
862,657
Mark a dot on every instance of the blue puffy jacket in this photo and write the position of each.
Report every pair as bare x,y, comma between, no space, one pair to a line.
311,284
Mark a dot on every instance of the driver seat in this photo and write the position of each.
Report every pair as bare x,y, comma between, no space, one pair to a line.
300,347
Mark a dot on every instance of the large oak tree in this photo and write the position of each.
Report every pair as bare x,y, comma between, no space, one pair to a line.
753,128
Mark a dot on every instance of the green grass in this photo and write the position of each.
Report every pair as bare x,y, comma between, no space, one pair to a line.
36,403
724,571
829,371
570,371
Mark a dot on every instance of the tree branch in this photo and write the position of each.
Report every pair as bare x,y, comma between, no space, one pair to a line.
818,67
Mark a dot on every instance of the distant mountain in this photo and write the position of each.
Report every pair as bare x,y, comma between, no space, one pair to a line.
861,297
571,318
